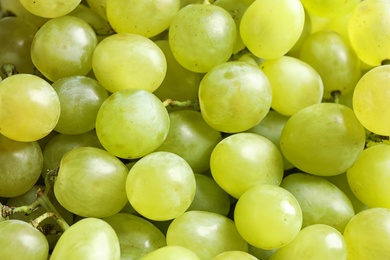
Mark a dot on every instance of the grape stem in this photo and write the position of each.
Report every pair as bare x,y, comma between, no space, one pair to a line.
188,103
7,211
336,96
9,69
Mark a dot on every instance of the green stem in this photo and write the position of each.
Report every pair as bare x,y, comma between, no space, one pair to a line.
9,69
7,211
188,103
336,96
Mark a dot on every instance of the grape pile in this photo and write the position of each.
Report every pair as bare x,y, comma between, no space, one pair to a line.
194,129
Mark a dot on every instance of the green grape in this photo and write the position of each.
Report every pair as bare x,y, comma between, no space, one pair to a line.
295,84
125,60
50,8
368,177
369,31
209,196
161,186
306,32
367,234
20,166
87,239
341,71
202,36
236,10
268,216
171,253
80,99
371,100
271,127
329,8
270,28
323,139
321,201
234,96
137,236
191,138
135,16
16,8
315,242
29,107
62,143
16,36
340,25
63,47
233,255
132,123
91,182
179,83
98,6
19,240
207,234
243,160
261,254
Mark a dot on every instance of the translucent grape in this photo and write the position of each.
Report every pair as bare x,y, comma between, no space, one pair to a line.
233,255
234,96
29,107
63,47
368,177
329,8
371,100
270,28
50,8
268,216
16,8
161,186
295,84
323,139
171,253
243,160
205,233
202,36
132,123
127,60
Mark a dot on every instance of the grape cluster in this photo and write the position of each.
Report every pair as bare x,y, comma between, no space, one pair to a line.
194,129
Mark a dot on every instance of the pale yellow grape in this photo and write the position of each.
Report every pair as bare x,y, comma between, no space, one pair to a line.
368,234
202,36
329,8
234,255
127,60
146,17
371,100
98,6
29,107
315,242
270,28
18,9
369,176
369,31
171,253
268,216
50,8
295,84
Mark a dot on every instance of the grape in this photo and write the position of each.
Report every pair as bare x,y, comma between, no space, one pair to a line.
171,253
209,196
341,71
270,28
29,108
234,96
368,177
371,100
205,233
16,36
369,32
137,236
233,255
306,32
323,139
261,254
191,138
268,216
19,240
16,8
316,242
243,160
321,201
295,84
367,234
91,182
135,16
132,123
88,239
125,60
80,99
329,8
202,36
50,8
98,6
63,47
161,186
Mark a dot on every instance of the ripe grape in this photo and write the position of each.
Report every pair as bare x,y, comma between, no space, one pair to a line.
234,254
50,8
329,8
16,8
171,253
